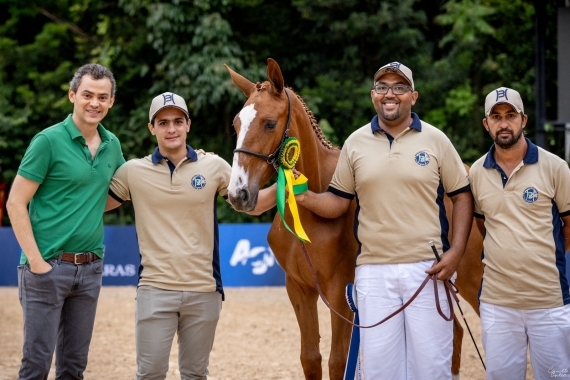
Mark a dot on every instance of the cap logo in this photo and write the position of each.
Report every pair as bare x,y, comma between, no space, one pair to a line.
198,182
530,195
393,67
501,93
168,98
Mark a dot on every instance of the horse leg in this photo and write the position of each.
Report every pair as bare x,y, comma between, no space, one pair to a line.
457,339
470,270
304,303
341,331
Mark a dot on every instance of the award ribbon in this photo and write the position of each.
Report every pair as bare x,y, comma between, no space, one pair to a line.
288,156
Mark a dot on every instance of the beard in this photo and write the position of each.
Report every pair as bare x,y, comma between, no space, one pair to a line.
392,115
507,142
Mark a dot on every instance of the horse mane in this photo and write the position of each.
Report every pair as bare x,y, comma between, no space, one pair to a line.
314,124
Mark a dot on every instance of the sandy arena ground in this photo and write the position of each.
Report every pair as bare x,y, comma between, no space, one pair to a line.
257,338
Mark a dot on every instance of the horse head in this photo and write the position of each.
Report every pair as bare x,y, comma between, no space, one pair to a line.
262,125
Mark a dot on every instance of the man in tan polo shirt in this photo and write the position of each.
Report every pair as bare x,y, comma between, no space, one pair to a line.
399,168
174,193
522,207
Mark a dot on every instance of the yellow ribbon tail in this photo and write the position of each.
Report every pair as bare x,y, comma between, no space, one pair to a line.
297,226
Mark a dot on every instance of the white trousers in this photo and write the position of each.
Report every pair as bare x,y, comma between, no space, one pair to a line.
507,334
417,343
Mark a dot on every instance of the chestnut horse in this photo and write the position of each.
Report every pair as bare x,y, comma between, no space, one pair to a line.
270,114
468,281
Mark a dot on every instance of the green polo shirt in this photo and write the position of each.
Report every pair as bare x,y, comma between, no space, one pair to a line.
67,210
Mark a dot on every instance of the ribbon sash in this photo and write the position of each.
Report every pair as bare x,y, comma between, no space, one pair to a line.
286,181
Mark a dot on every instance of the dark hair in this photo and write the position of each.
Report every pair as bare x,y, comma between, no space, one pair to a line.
95,71
154,118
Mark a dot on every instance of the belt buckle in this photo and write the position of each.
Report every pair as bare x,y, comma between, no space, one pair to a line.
75,258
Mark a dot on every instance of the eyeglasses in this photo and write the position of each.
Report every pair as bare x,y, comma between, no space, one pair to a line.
397,89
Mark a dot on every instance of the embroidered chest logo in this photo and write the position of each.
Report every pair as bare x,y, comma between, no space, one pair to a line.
422,158
198,182
530,195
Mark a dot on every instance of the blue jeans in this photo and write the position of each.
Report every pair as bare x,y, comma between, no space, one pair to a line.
59,310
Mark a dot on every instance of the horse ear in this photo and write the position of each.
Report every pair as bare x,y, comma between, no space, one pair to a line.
244,84
274,75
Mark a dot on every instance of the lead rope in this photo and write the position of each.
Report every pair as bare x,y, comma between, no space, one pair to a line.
354,357
434,249
450,290
353,363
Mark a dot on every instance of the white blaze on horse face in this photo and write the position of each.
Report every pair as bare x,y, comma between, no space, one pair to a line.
246,116
238,178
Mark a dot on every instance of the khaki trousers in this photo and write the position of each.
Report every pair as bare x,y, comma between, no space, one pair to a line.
162,313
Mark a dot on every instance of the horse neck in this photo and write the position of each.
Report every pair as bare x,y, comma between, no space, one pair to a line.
316,161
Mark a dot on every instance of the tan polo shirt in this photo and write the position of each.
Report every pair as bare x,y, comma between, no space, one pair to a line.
175,216
399,183
523,248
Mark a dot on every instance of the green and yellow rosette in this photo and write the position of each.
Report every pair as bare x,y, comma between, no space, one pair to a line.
288,156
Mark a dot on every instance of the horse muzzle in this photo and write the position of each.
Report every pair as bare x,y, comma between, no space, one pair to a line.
243,200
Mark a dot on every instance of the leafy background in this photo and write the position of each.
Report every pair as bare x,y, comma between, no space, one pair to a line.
459,50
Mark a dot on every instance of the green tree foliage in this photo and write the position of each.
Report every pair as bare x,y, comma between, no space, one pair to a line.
478,55
328,50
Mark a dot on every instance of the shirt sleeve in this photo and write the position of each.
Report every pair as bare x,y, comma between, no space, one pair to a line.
452,170
121,160
225,173
477,209
342,183
37,160
120,183
116,145
562,189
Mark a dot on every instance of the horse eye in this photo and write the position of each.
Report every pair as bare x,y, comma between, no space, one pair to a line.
271,125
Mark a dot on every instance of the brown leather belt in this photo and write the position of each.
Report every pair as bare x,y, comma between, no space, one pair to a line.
79,258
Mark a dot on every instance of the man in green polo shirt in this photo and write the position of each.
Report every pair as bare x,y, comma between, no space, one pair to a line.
64,178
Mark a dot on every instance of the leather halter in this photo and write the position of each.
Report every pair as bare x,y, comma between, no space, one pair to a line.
272,158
